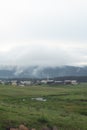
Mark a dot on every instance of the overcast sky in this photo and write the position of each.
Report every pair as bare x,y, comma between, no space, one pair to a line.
43,32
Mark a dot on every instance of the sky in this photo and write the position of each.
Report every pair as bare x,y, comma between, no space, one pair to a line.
43,32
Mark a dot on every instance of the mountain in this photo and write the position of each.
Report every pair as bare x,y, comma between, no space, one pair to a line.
41,72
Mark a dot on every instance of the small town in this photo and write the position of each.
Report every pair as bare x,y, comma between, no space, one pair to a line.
37,82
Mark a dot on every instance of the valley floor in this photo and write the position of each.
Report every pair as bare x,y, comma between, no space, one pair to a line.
39,106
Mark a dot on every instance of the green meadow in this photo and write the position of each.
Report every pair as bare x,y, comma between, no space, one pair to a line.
65,106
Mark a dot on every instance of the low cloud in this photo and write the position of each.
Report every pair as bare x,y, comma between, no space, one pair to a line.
45,53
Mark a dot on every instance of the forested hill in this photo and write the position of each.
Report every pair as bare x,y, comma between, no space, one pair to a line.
41,72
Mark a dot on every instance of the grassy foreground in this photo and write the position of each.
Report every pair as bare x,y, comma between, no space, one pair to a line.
66,107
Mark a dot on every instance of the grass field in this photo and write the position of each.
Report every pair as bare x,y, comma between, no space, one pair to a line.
66,107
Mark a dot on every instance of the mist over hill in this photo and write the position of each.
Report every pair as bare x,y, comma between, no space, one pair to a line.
41,72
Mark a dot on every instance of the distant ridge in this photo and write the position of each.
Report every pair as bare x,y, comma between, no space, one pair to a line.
41,72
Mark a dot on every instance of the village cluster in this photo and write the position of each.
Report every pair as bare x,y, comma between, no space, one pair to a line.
37,82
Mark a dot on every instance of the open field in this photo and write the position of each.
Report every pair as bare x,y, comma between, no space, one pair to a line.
65,107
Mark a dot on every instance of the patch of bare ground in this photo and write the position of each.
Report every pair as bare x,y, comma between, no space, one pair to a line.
23,127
